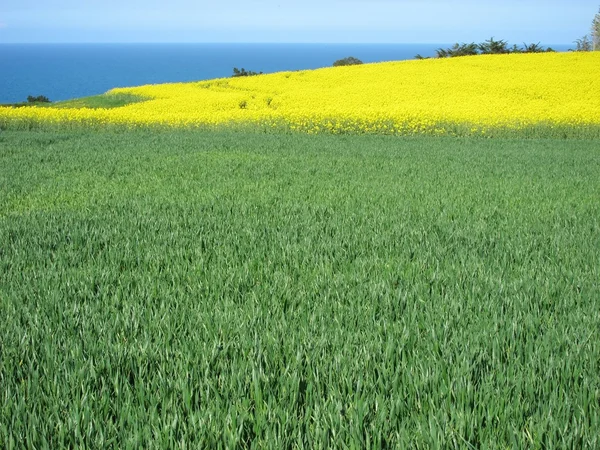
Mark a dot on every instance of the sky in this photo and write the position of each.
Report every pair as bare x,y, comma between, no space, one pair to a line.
282,21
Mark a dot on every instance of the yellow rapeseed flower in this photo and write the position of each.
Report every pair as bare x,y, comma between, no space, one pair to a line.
476,94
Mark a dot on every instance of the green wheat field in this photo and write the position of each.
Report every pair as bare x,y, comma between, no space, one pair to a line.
223,289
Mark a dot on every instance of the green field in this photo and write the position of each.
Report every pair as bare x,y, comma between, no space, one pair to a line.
230,289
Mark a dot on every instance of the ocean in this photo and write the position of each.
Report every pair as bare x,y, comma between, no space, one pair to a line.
64,71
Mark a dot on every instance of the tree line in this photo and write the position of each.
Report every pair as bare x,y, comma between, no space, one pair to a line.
489,47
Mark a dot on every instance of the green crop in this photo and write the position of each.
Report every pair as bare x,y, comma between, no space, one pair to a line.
223,290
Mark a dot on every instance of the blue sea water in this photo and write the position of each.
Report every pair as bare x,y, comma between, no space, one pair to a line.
64,71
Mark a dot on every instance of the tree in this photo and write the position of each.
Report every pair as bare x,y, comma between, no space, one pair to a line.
590,42
534,48
442,53
458,50
596,32
349,61
493,47
584,44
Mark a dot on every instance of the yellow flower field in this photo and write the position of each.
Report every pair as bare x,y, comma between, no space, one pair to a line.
468,95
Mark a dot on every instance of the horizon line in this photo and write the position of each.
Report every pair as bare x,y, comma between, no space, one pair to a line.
252,43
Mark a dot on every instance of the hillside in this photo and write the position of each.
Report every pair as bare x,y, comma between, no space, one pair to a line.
550,93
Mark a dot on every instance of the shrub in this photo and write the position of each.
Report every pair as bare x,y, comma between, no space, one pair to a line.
243,73
349,61
38,99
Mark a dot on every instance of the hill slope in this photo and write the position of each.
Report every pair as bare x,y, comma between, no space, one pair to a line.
470,95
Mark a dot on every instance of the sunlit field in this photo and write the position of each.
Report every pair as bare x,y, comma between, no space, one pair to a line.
203,289
529,95
392,255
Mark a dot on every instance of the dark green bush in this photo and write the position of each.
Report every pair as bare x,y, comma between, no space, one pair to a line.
349,61
38,99
243,73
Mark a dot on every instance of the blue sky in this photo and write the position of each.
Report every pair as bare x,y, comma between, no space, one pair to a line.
404,21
